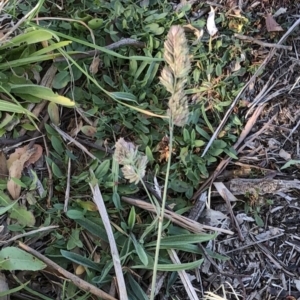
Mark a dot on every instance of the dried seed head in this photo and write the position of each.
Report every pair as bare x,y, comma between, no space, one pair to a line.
177,52
174,76
134,164
125,152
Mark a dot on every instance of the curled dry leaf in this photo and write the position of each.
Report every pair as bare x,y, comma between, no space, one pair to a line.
20,151
271,24
211,25
15,171
95,65
38,151
197,32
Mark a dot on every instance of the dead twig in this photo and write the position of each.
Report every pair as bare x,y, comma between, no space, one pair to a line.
182,221
83,285
261,43
97,196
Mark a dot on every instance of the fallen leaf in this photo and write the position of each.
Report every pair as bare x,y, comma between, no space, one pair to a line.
285,155
15,156
211,25
280,11
15,171
38,151
77,127
94,67
271,24
3,166
197,32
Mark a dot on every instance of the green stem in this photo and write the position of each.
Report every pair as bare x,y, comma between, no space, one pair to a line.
162,212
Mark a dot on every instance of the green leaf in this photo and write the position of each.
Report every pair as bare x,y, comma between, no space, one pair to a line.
74,240
57,144
93,228
56,170
141,252
61,80
17,211
42,93
102,169
124,96
131,218
23,216
3,210
290,163
172,267
31,37
81,260
74,214
13,259
11,107
178,240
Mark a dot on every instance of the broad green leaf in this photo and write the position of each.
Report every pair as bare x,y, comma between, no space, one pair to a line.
102,169
290,163
184,239
131,218
53,112
136,288
172,267
31,37
81,260
42,93
11,107
93,228
23,216
13,258
61,80
74,214
3,210
74,240
57,144
124,96
141,252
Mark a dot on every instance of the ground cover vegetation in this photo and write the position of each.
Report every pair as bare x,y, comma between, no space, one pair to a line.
116,116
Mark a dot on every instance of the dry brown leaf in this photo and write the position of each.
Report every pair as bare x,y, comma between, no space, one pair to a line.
38,151
16,155
95,65
3,166
15,171
74,131
271,24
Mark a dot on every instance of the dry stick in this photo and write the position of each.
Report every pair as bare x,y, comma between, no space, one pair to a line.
97,196
72,140
183,276
267,59
261,43
67,194
225,162
83,285
182,221
16,237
